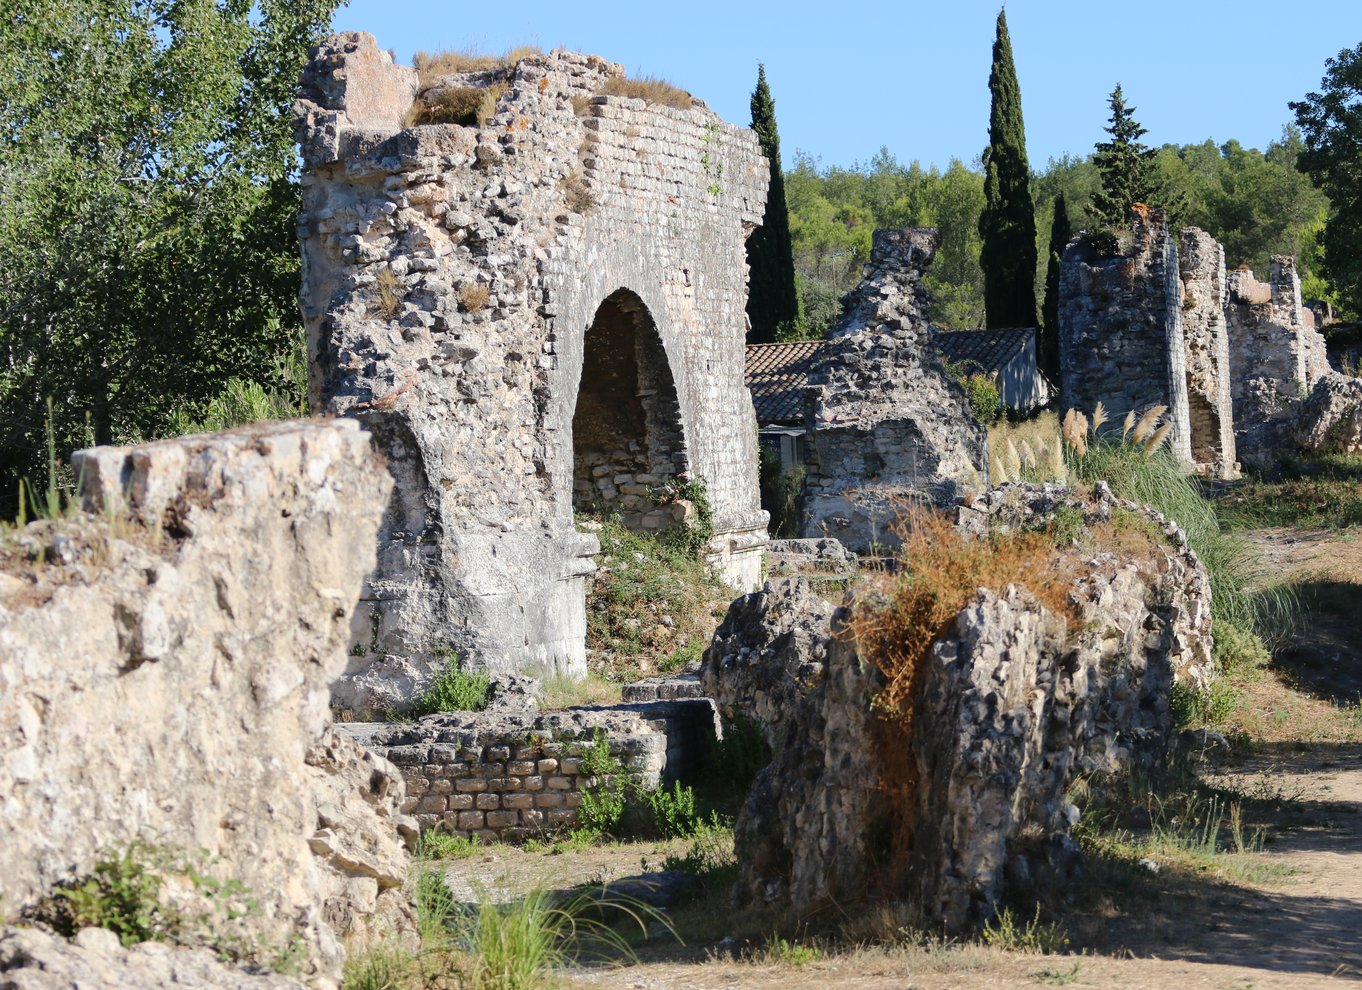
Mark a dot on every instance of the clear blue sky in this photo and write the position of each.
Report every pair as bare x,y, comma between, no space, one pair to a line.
849,76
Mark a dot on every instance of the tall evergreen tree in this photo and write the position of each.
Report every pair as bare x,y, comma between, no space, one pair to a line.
1127,166
1008,222
1047,344
771,300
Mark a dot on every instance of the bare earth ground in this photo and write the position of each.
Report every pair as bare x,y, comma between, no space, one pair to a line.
1304,930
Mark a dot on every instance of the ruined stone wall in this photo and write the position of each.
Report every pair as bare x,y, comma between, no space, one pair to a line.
1120,329
1274,348
887,424
454,285
1201,266
165,672
1012,708
495,776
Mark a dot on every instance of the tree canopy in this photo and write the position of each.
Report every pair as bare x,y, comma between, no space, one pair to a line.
1007,224
148,199
1331,125
1125,164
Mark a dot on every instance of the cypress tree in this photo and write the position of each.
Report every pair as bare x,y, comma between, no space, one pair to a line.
1047,344
771,300
1126,165
1008,222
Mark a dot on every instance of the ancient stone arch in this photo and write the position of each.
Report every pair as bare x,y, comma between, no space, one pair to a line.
470,291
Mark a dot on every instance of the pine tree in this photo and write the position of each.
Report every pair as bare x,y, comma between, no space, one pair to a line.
772,304
1047,343
1008,222
1126,165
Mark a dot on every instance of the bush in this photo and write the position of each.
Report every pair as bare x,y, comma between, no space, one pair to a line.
602,810
674,813
454,690
735,760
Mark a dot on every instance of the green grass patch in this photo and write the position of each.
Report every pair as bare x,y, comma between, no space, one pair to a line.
1320,493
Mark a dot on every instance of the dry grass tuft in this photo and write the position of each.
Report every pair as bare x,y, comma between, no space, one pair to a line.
649,88
388,293
578,193
468,106
473,297
430,67
940,570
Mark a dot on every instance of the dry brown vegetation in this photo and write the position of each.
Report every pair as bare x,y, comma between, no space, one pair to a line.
468,106
388,292
903,614
578,194
648,88
431,66
474,297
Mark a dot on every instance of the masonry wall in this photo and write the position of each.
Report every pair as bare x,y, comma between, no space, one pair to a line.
1201,267
498,777
1120,329
1274,347
453,277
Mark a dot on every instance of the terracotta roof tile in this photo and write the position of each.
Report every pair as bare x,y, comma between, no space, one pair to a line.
777,375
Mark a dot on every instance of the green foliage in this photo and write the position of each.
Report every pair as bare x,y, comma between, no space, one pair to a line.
121,894
1194,707
384,967
674,812
148,205
772,301
1004,931
453,690
985,400
1126,165
602,810
1007,224
1321,493
652,598
597,761
735,760
443,845
1047,341
709,858
783,952
780,491
1332,157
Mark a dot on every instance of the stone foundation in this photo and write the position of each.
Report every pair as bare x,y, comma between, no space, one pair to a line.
495,776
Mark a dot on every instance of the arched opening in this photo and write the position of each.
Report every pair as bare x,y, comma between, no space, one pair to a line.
627,439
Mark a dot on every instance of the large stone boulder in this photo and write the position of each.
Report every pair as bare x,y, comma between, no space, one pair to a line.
1013,705
1326,421
166,660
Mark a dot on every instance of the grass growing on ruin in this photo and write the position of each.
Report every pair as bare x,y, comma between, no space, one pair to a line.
651,606
453,690
430,66
651,89
1030,450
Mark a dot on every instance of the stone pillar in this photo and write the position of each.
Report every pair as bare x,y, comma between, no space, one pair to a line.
1274,348
1201,264
1120,329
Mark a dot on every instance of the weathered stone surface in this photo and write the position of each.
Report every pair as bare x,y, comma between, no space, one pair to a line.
887,425
1012,707
1275,352
542,313
165,676
1201,266
1276,426
34,960
1120,329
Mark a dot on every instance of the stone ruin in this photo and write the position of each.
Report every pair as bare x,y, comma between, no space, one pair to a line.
1278,353
887,426
1231,357
1013,707
1120,329
541,315
165,671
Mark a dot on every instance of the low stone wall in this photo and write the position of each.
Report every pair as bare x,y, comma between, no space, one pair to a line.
497,776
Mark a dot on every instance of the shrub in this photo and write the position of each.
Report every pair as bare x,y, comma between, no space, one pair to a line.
939,571
443,845
602,810
454,690
648,88
473,297
674,813
121,894
1004,931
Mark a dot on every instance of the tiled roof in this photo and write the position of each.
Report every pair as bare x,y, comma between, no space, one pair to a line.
990,349
777,375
